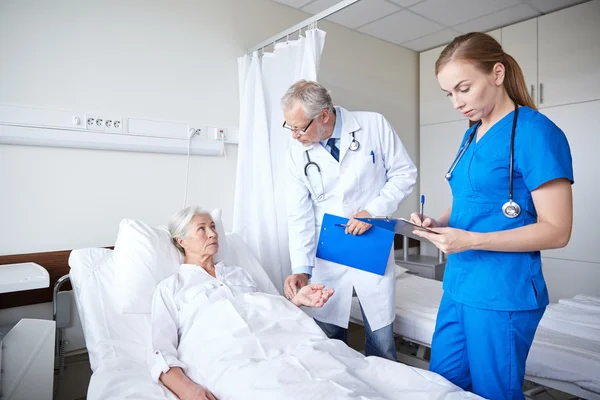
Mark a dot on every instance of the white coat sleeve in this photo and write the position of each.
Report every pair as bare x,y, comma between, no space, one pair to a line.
301,219
165,339
401,174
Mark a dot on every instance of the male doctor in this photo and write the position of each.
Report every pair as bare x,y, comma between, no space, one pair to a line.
350,164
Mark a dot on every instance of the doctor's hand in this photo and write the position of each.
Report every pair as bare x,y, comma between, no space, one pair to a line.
449,240
292,283
315,296
198,392
426,222
355,227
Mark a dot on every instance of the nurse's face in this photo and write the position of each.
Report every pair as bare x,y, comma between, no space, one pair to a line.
202,239
296,119
472,91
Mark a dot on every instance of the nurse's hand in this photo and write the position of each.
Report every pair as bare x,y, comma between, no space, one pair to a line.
449,240
292,283
315,296
428,222
356,227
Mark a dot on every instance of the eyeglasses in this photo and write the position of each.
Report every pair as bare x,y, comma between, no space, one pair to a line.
286,126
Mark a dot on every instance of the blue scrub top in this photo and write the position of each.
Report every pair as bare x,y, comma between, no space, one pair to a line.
503,281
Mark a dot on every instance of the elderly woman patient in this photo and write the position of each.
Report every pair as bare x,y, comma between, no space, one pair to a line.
180,300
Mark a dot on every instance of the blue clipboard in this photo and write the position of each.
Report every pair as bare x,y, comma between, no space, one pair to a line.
368,252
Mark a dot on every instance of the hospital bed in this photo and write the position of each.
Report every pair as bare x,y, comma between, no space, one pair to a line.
118,343
565,354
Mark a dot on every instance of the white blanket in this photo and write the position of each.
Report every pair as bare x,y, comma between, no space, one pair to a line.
567,343
259,346
579,317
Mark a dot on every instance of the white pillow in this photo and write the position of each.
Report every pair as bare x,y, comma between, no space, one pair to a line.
144,256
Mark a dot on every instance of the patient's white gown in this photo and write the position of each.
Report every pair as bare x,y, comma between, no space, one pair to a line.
242,344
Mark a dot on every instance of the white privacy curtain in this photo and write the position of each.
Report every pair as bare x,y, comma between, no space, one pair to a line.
259,214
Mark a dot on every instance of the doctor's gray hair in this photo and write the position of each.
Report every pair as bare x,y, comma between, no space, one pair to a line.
313,96
179,222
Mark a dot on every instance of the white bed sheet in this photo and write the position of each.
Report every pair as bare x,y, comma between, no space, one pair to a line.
125,378
117,343
566,345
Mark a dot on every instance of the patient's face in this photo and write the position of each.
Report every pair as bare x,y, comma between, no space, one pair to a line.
202,238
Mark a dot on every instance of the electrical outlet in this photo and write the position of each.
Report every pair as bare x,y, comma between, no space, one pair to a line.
94,122
113,125
218,133
100,123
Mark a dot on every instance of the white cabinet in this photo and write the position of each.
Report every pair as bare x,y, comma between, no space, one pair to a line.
439,145
520,41
496,34
569,55
435,107
580,123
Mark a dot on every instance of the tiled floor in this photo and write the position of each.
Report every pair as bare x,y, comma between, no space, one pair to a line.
77,372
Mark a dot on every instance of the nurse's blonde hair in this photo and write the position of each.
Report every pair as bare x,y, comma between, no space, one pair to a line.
484,52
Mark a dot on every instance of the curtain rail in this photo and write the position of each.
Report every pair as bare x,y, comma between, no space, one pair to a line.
317,17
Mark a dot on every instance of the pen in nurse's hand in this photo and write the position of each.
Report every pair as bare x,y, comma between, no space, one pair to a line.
422,208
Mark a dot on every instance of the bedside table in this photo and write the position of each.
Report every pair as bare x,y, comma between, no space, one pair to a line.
429,267
26,348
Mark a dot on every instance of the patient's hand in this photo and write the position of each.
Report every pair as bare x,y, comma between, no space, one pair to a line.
314,295
199,393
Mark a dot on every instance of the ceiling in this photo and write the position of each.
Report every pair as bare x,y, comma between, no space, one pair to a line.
424,24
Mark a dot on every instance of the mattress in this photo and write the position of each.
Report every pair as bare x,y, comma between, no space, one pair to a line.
566,346
417,302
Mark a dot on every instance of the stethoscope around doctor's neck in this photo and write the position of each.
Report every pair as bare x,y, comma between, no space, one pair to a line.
354,145
510,209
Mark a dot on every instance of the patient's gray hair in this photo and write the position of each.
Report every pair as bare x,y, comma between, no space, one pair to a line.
313,96
179,222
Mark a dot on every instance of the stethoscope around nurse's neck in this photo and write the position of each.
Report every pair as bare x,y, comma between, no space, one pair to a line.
510,209
354,145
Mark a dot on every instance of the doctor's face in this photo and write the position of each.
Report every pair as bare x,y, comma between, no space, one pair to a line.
202,238
297,120
472,91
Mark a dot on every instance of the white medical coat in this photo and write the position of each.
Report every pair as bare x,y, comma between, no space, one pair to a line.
179,298
353,184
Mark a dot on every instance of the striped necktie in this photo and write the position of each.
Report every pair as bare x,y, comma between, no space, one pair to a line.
335,152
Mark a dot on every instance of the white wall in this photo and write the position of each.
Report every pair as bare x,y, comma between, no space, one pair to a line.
171,60
155,60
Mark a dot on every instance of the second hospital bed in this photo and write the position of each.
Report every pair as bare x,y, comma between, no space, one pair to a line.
565,354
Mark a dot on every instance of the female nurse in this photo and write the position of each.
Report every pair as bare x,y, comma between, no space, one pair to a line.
511,198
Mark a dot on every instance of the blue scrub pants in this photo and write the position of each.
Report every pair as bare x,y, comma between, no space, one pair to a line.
483,351
378,343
